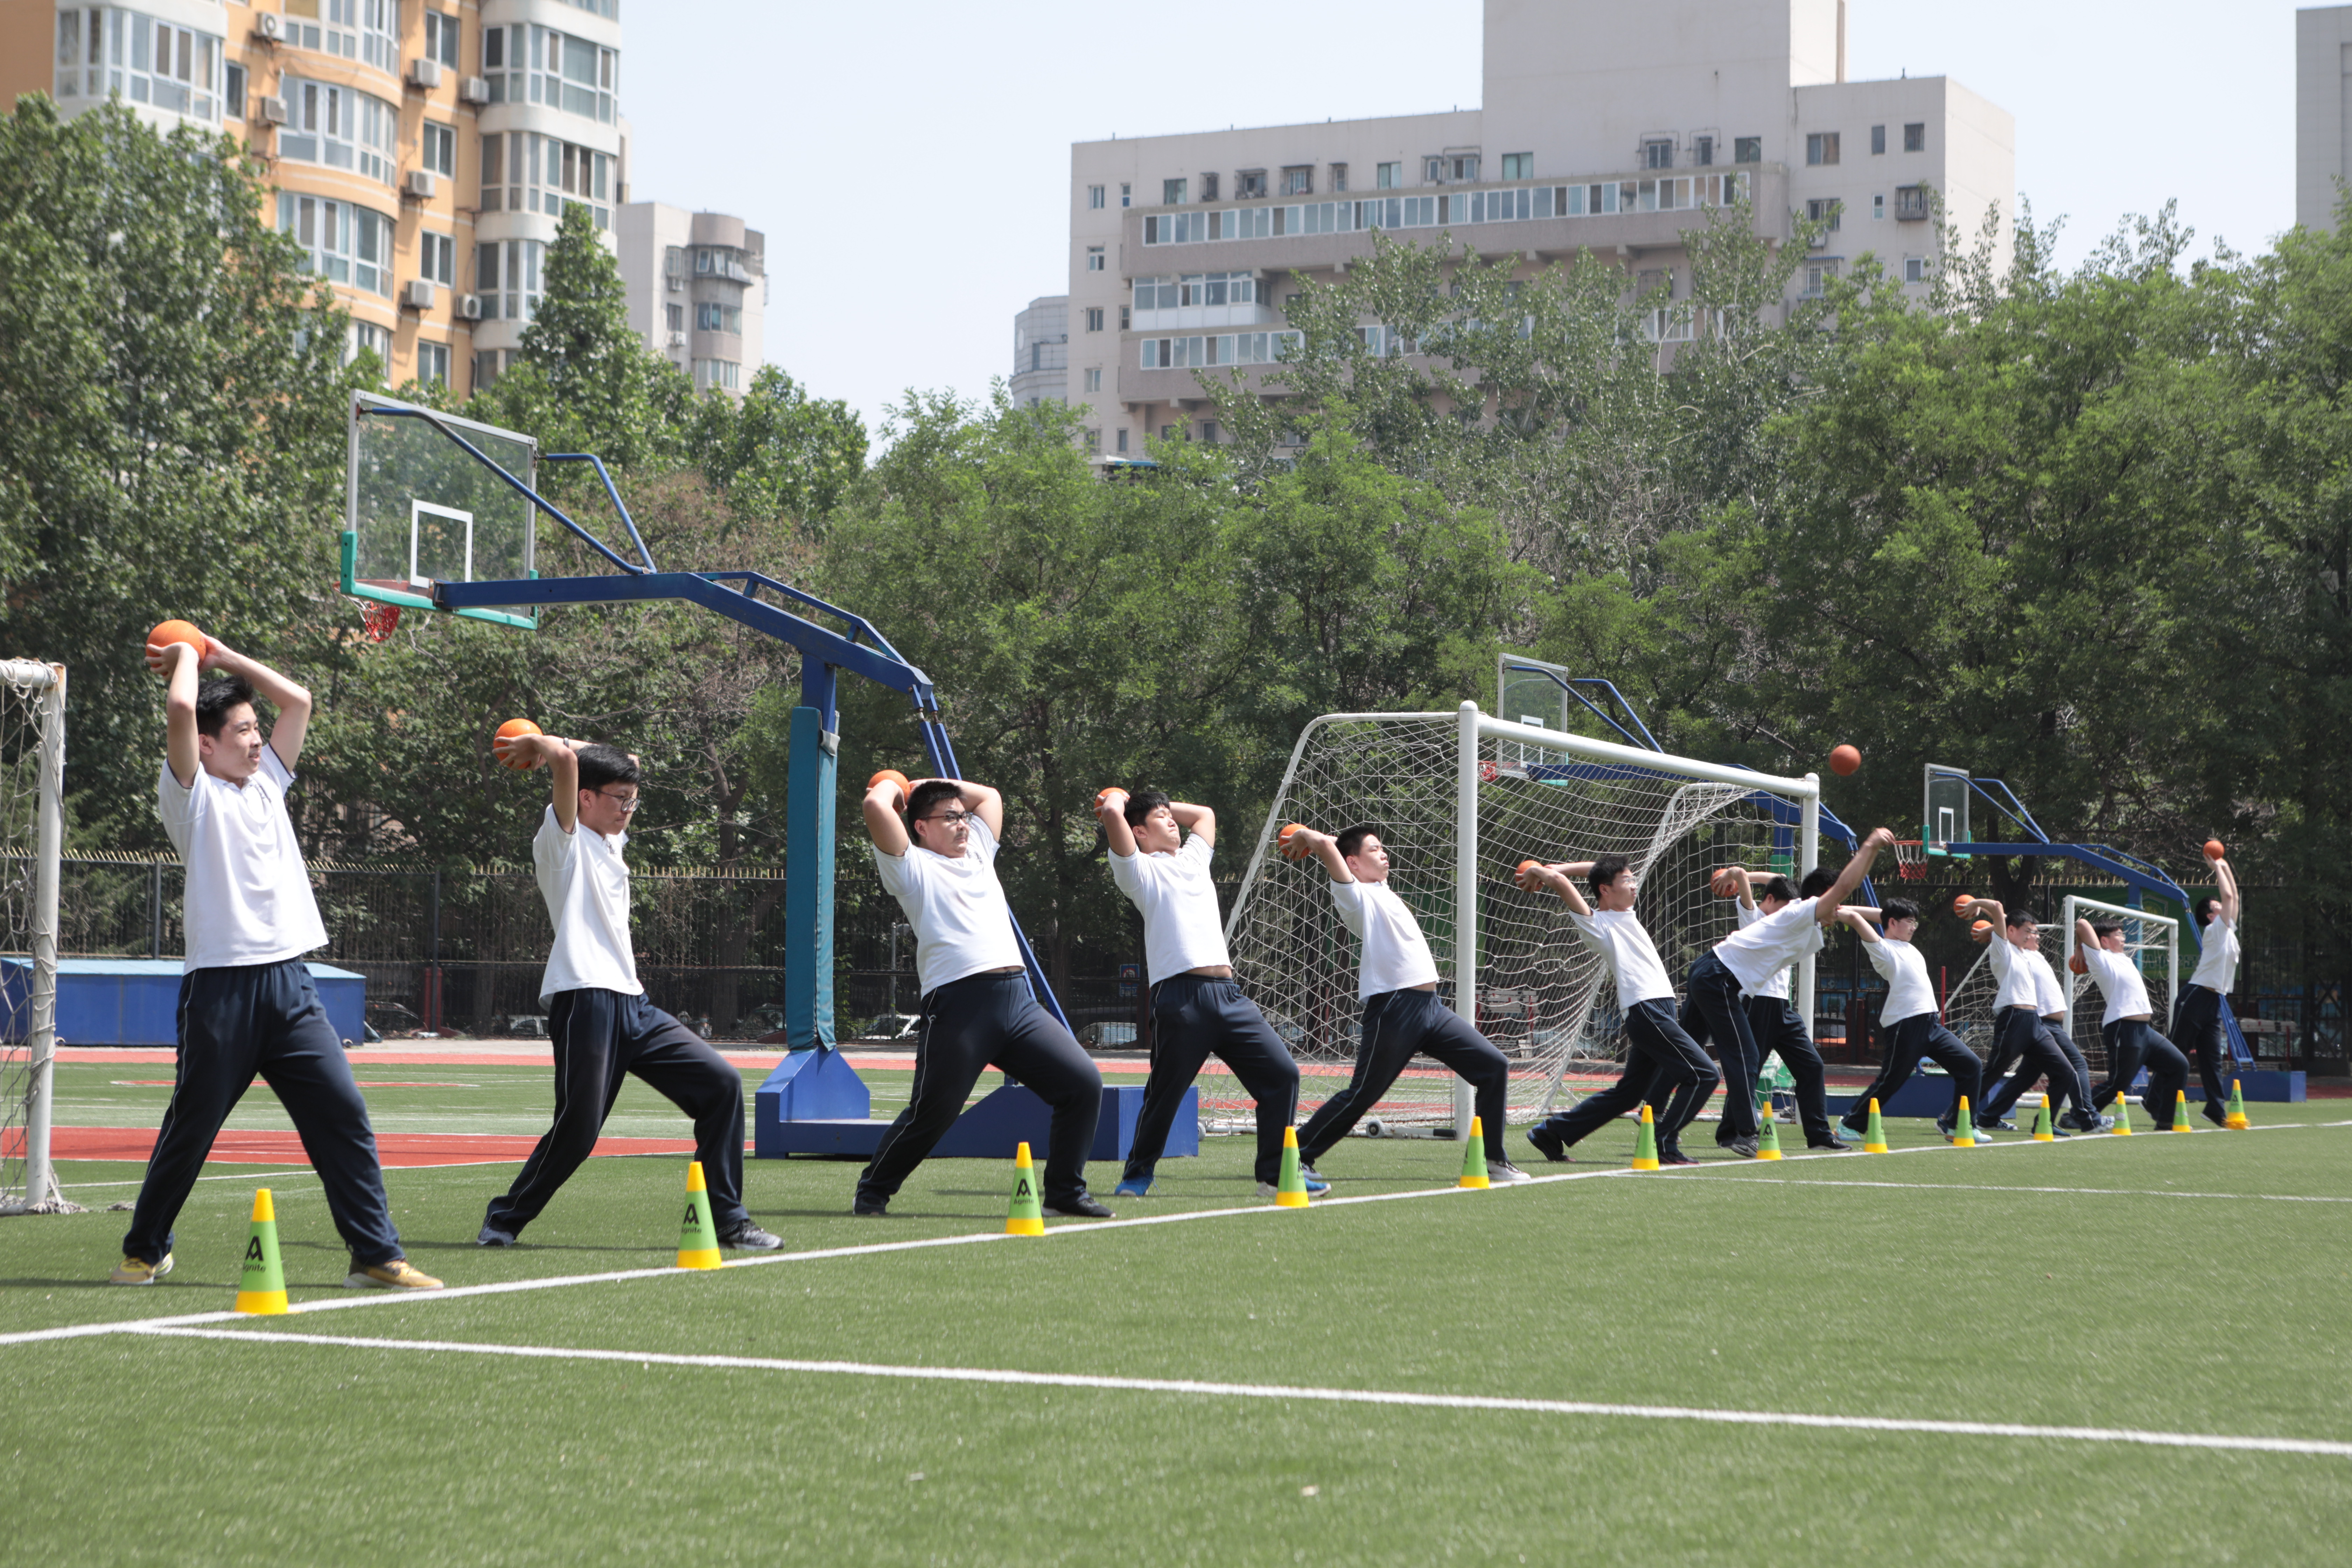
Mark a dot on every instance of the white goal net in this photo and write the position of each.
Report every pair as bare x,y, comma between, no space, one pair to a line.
1459,799
32,831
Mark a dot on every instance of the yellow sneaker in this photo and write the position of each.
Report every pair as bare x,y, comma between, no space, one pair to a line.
139,1271
395,1275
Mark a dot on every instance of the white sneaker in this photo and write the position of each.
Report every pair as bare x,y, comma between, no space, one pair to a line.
1503,1173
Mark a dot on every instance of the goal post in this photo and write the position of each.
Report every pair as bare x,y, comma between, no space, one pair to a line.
32,834
1459,798
2148,939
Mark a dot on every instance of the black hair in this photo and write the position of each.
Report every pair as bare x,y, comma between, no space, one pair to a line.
1352,839
1606,868
2206,910
1778,887
1895,909
1143,803
925,796
601,764
215,697
2105,929
1818,880
2021,918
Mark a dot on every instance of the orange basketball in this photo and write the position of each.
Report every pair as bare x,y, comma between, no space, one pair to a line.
1286,841
2078,966
1980,932
894,776
1960,902
1102,797
501,744
1844,760
2214,849
1724,884
178,631
1521,870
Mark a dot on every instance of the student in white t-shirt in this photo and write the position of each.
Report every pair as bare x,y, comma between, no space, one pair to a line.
1773,1020
1397,983
2127,1024
1660,1054
1197,1010
602,1024
2197,1023
1910,1024
2027,1008
247,1005
935,847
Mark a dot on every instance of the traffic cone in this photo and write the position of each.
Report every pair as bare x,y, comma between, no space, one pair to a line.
261,1289
1873,1137
1028,1215
1645,1146
1768,1141
1474,1159
1290,1188
2236,1119
698,1239
2120,1109
1964,1130
2180,1111
2041,1132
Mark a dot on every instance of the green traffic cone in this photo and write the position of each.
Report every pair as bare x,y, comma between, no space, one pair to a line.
1873,1137
1474,1159
1964,1130
697,1241
1645,1146
1028,1215
2180,1111
2236,1119
1290,1188
2041,1132
1768,1138
261,1289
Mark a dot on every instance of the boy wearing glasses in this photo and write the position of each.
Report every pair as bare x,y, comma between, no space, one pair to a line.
597,1014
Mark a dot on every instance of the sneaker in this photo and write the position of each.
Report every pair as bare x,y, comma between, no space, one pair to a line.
1832,1144
395,1275
493,1236
1860,1131
2216,1114
1503,1173
139,1271
871,1208
1312,1175
1133,1187
2006,1124
1745,1148
1316,1186
1675,1157
1083,1206
1548,1143
749,1238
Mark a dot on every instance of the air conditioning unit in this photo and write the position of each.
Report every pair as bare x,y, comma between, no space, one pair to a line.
676,340
677,282
424,73
469,307
422,184
269,26
266,109
419,296
474,90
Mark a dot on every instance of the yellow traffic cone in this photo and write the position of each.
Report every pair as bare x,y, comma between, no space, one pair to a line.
2120,1109
1964,1130
1290,1187
1028,1214
1873,1139
1474,1159
1645,1146
2042,1130
2236,1119
1768,1141
698,1240
261,1289
2180,1111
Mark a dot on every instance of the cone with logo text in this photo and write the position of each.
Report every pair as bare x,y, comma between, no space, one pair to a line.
2120,1109
1290,1187
1964,1129
698,1239
1027,1216
2180,1111
1768,1141
1874,1137
1645,1145
1474,1159
2236,1119
2042,1130
261,1288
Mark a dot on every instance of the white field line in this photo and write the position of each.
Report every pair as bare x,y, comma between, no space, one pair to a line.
565,1281
1829,1185
2222,1441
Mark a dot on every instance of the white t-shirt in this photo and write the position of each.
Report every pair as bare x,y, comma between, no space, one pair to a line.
2217,959
1621,939
2014,974
586,886
2119,982
1908,994
962,925
1777,987
1762,948
1178,901
1396,955
2048,991
249,893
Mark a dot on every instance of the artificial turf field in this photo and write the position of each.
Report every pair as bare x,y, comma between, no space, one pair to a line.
2191,1287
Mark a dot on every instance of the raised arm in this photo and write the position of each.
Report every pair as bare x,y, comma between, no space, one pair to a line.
180,664
2226,881
1324,847
983,803
1197,820
1110,810
1862,920
1561,879
1747,880
884,797
2084,937
1851,876
1985,910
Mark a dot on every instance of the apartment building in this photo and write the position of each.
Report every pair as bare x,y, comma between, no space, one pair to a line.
1607,130
698,290
421,149
2322,111
1040,351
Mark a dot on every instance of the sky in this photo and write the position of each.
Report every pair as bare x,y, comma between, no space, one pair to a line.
910,164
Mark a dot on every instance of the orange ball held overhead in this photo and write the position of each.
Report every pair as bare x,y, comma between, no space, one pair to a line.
1724,884
1960,902
502,743
894,776
1102,796
1287,841
1980,932
2214,849
1844,760
178,631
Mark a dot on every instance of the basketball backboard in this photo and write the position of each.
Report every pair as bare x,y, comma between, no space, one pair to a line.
1943,811
1529,692
420,508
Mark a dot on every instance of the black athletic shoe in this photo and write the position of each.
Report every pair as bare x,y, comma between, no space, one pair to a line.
1675,1157
493,1236
1548,1143
1084,1206
1745,1148
2216,1115
749,1238
1834,1144
871,1208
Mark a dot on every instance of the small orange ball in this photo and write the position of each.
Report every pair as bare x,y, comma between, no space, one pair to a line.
894,776
1980,932
512,729
178,631
1960,902
1724,884
1102,796
2076,965
2214,849
1286,843
1844,760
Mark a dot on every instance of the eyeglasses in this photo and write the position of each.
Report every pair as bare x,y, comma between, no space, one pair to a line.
952,818
625,803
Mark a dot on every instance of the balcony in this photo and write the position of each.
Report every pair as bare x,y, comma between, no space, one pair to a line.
1195,317
1911,205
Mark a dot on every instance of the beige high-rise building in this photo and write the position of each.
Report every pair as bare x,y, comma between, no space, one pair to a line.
1040,352
1607,128
2323,112
422,150
698,292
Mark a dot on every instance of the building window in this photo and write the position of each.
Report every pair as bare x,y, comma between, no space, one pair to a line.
1125,194
1702,151
674,318
433,363
1094,197
710,317
1338,177
524,172
340,243
1123,321
1209,431
1915,270
369,338
1209,187
1171,193
1878,206
1248,182
1915,136
1519,165
1824,209
1093,258
1094,318
441,38
724,374
339,128
1819,276
1657,153
1122,438
441,150
1388,176
233,94
1910,203
1454,168
539,64
1168,431
436,258
1877,140
1748,149
104,53
1821,147
1298,179
1094,378
1094,440
506,276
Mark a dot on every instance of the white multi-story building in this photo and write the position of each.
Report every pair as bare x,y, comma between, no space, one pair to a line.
1040,351
2322,111
1607,129
698,290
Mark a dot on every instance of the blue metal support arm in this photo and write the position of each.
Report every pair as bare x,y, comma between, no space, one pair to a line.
627,521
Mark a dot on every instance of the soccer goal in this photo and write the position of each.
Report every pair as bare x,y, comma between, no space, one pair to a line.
1459,799
32,832
2153,942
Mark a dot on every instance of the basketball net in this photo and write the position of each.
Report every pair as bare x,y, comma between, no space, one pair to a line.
1911,858
378,619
